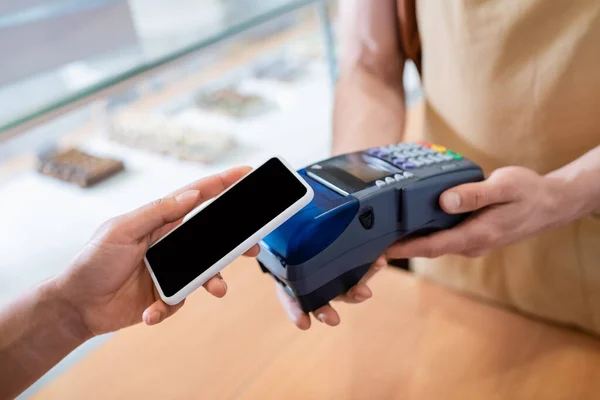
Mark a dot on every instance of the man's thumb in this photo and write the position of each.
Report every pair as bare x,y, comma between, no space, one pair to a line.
147,219
466,198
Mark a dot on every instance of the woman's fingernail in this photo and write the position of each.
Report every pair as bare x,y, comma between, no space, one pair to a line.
451,201
154,318
321,317
186,196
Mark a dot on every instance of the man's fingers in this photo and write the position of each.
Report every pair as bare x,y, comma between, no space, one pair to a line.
216,286
292,308
361,292
377,266
498,188
432,246
468,239
466,198
159,311
327,315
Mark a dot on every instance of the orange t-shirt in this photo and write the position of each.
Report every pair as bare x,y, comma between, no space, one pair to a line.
515,82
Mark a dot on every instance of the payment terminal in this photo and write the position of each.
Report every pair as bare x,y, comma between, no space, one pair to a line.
363,202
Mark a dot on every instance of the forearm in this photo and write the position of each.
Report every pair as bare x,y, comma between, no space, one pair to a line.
369,98
580,181
368,111
36,332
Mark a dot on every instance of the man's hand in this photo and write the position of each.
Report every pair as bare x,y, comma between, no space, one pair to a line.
327,314
512,204
108,283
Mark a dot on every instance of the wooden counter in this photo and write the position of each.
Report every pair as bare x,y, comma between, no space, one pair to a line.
412,340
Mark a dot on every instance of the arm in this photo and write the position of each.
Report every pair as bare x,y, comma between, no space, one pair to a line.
513,204
581,179
369,97
37,331
106,288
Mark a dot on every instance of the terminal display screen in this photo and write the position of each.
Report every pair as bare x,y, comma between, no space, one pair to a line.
351,173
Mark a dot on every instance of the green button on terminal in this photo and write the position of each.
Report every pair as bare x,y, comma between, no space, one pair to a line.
454,155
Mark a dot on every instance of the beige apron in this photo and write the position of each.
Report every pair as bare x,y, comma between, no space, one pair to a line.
516,82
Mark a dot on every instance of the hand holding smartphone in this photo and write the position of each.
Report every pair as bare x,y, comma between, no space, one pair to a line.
218,232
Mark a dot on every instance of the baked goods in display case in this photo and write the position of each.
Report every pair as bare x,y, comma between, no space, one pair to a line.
284,68
78,167
232,102
170,136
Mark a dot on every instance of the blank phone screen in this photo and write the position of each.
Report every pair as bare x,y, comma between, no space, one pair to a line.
223,225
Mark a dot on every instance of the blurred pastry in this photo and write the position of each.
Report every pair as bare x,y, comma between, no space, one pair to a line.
78,167
164,135
231,102
283,69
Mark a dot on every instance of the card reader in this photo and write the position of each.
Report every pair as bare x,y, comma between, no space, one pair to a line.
364,202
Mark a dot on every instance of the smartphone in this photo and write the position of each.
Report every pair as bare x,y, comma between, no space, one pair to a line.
216,233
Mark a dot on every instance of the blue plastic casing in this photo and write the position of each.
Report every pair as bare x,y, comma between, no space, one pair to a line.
315,227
